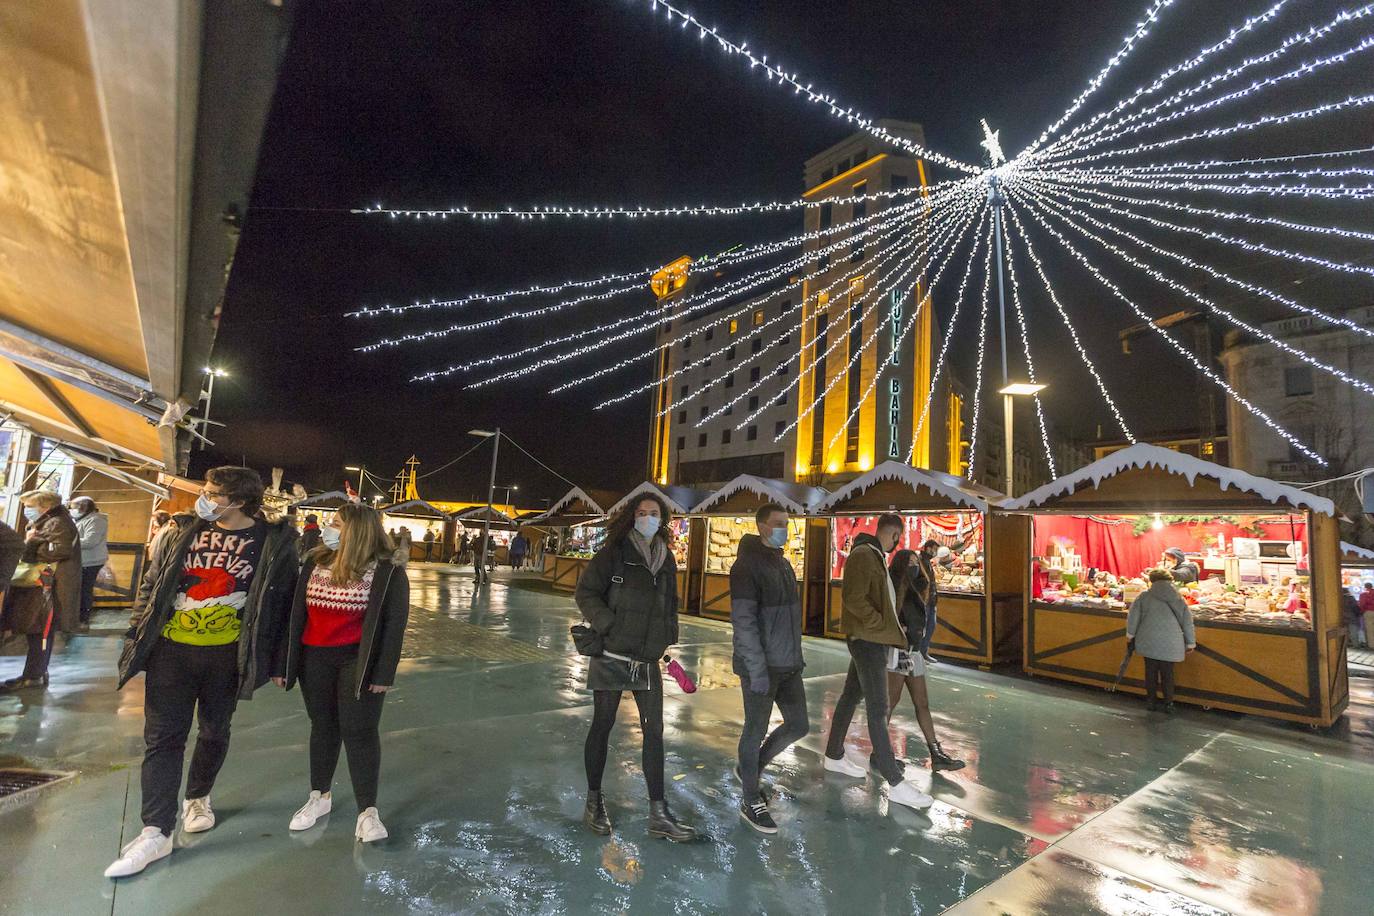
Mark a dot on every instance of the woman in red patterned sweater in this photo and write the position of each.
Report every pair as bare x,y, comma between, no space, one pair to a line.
343,645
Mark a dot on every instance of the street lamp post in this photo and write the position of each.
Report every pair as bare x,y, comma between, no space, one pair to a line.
208,395
491,494
1008,392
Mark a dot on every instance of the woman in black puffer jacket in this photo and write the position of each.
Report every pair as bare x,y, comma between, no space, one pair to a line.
628,594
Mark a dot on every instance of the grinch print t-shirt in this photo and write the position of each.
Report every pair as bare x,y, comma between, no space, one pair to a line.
215,578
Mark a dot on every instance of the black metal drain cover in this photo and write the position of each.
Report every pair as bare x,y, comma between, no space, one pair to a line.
17,785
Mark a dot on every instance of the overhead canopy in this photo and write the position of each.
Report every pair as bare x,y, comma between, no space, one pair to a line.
896,487
418,508
1149,478
332,499
680,500
129,130
576,507
746,493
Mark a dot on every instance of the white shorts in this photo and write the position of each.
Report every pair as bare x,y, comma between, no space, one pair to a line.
905,663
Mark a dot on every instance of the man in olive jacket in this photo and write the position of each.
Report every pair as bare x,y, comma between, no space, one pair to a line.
870,623
765,609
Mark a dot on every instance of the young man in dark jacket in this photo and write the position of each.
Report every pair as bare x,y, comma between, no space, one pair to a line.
205,626
765,609
873,630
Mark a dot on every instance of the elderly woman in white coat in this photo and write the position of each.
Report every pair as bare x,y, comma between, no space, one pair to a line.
1159,628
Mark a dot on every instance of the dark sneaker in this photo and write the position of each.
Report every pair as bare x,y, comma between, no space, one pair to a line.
765,792
756,815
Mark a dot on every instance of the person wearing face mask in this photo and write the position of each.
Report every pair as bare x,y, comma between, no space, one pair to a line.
205,625
51,542
343,644
766,615
628,595
871,626
94,528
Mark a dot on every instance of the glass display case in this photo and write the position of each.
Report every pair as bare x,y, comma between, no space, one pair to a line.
723,536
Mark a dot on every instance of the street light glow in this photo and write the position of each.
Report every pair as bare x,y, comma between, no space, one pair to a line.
484,433
1022,388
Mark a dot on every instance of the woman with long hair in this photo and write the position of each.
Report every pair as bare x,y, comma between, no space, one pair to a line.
628,595
343,643
913,577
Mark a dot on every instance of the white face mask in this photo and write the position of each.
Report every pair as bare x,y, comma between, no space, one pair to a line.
647,525
329,537
32,513
208,509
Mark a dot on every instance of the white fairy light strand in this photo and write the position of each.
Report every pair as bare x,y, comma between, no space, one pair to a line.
1222,163
849,115
948,335
1061,209
982,356
1025,348
1068,325
1182,350
1190,182
1142,29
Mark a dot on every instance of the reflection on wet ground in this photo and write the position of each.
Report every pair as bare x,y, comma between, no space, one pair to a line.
1073,801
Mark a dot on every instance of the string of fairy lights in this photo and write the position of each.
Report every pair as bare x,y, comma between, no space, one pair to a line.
1099,172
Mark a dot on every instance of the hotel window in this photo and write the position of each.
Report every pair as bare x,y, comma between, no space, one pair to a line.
1297,381
787,339
827,174
704,411
681,443
734,325
682,416
754,403
842,166
754,374
782,399
756,346
861,156
687,343
725,436
730,380
729,409
817,389
823,264
701,441
758,317
685,389
827,215
900,182
860,206
784,306
753,433
730,353
710,333
778,427
851,449
782,370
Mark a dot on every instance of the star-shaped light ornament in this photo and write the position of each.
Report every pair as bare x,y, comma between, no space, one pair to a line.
992,144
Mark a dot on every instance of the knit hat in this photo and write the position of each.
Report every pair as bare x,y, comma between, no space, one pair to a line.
1176,553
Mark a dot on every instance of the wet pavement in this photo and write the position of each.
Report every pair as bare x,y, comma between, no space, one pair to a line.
1074,801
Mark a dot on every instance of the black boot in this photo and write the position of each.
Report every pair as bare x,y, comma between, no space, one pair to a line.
939,760
663,824
594,815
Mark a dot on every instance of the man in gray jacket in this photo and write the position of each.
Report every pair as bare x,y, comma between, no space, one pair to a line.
765,608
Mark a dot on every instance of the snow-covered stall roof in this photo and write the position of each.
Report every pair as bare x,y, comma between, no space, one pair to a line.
679,499
414,508
946,489
331,499
796,498
1142,456
1350,551
597,505
478,514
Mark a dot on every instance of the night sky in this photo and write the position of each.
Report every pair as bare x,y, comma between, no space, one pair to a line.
586,102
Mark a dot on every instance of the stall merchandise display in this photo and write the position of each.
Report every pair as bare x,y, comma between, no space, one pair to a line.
723,537
680,540
960,570
1254,580
584,541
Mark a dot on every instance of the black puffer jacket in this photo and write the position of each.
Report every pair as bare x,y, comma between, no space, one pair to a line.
637,615
765,610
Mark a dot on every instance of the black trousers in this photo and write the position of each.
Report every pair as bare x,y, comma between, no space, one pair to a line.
605,705
1159,675
88,577
339,719
185,682
755,751
867,681
40,653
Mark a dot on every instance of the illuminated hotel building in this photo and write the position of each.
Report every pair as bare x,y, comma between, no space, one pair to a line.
858,423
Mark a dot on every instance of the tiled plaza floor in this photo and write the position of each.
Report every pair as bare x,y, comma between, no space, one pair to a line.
1074,801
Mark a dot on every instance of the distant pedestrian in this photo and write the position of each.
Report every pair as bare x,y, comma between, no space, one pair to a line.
1159,628
343,644
204,628
429,544
94,528
159,520
310,534
1367,608
766,614
1180,567
914,580
52,547
519,546
1353,618
872,628
931,552
402,542
628,595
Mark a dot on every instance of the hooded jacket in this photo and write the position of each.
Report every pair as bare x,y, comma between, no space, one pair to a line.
264,614
1160,623
765,611
633,609
384,629
870,611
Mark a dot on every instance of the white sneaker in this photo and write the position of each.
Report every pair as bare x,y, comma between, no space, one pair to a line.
906,793
196,815
316,806
845,766
147,848
370,828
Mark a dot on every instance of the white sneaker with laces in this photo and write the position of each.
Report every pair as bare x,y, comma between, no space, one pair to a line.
196,815
906,793
147,848
316,806
845,766
370,828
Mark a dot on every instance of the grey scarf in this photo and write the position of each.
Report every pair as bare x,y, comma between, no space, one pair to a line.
653,550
